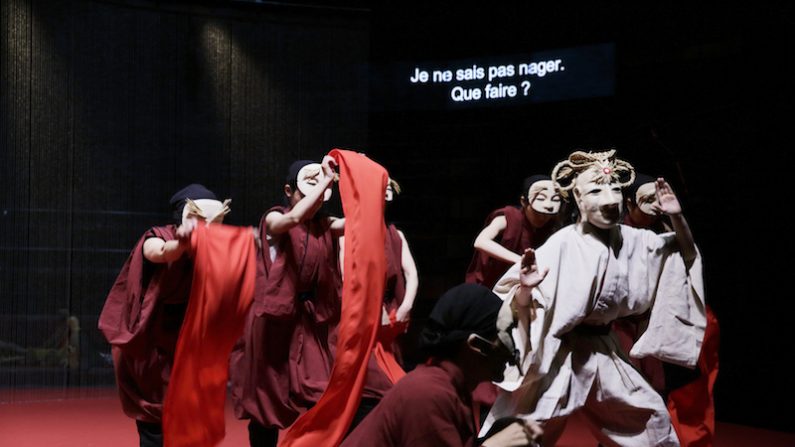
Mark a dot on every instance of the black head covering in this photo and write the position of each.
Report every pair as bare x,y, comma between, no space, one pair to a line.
640,180
193,191
292,172
528,182
465,309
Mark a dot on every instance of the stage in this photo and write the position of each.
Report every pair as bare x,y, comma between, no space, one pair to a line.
93,418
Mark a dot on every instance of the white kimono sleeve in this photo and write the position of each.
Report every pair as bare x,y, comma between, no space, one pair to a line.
678,319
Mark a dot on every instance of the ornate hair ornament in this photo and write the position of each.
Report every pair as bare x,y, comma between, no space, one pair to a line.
211,211
392,188
604,165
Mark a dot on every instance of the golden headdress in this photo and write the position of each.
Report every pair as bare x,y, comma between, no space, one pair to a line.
607,169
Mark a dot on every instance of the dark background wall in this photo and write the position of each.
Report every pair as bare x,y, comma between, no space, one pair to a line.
703,97
109,107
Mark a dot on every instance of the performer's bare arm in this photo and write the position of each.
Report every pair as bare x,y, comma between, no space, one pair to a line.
160,251
337,226
669,204
412,280
486,242
277,223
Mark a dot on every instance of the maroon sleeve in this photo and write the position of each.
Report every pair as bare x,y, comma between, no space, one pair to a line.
128,306
275,290
483,269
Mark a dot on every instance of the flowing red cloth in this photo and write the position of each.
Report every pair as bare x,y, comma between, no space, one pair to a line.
222,290
362,186
691,406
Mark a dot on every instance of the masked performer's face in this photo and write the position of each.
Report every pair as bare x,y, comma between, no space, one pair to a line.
599,203
646,198
309,177
543,197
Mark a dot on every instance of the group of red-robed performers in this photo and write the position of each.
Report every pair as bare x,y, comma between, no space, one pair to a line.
311,354
294,348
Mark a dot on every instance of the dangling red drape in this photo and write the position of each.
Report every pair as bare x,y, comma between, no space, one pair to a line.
221,293
692,407
362,186
384,357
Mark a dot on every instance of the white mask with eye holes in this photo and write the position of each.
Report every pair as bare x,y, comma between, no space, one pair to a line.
543,197
599,203
309,177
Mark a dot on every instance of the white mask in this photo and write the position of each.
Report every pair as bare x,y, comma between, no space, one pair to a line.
646,198
543,197
309,177
599,203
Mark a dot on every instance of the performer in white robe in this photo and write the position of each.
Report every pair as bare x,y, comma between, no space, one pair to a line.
594,272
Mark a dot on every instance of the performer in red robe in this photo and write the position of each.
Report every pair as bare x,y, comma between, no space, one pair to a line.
432,405
283,362
144,310
511,230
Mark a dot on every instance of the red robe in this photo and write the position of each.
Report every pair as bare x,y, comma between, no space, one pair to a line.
383,369
691,406
362,184
429,407
284,359
141,319
517,236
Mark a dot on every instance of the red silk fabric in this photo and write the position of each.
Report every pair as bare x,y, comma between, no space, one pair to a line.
362,185
221,293
692,407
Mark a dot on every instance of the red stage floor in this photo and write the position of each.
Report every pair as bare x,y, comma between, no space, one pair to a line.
93,418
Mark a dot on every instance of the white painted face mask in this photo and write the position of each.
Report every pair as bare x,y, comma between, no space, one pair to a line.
543,197
599,203
646,198
309,177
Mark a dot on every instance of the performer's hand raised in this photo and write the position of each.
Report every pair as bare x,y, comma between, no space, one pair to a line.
666,199
530,276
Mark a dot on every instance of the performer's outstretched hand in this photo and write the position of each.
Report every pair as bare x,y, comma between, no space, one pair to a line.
666,199
184,231
522,432
328,164
530,276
